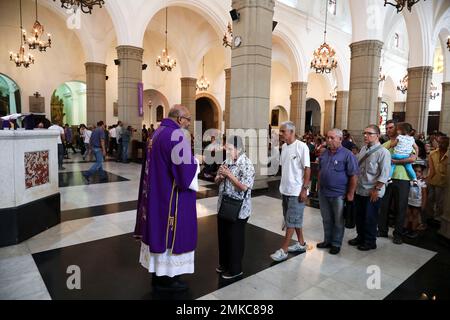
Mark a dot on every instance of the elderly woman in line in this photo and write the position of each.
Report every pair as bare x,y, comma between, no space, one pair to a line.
235,177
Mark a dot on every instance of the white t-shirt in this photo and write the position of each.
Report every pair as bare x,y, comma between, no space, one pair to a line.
59,129
294,160
87,136
415,194
405,145
112,133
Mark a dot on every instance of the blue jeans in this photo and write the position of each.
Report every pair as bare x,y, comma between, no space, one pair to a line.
332,211
125,151
98,165
408,166
367,219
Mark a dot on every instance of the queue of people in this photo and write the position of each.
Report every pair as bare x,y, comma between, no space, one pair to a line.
373,179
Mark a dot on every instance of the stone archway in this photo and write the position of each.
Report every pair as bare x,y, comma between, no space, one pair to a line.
313,116
208,111
68,104
9,96
154,101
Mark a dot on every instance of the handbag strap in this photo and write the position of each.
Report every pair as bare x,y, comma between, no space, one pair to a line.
368,154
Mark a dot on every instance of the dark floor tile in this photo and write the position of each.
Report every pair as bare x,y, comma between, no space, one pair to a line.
72,179
110,268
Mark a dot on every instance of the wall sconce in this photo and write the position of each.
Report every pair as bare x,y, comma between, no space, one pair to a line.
117,62
144,67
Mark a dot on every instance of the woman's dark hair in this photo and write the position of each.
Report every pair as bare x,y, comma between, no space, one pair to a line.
237,143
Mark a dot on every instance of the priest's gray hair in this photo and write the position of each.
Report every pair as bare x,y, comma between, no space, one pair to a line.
338,133
177,111
288,125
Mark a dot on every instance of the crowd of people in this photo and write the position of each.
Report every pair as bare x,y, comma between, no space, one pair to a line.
396,180
117,139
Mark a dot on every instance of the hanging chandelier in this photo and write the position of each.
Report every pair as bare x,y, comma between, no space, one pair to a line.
38,30
401,4
164,62
433,92
203,83
86,6
21,58
324,57
228,36
403,87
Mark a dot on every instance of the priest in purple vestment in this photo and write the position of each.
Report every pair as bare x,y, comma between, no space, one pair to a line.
167,215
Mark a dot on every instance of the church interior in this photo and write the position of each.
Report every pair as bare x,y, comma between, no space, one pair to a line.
234,64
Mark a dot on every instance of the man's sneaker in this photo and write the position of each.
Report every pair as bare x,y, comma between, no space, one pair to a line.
397,240
86,178
297,248
220,269
324,245
335,250
279,255
229,276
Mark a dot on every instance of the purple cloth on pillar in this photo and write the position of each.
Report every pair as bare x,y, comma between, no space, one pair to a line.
167,214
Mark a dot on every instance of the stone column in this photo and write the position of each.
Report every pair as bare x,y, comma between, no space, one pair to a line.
328,123
188,93
251,65
298,106
364,86
444,125
95,92
130,75
445,219
418,97
399,106
341,110
227,98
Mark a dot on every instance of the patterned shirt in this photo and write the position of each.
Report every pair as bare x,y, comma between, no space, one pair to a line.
244,171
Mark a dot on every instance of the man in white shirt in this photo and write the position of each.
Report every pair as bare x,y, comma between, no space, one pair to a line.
119,131
112,140
86,134
61,139
294,187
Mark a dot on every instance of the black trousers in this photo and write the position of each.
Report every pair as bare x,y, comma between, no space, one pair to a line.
60,155
231,244
397,195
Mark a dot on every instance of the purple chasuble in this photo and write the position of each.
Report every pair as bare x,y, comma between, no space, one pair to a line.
167,214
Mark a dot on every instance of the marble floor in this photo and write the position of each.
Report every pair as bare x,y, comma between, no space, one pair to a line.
315,275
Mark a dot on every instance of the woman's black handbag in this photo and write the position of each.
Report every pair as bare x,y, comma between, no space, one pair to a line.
349,214
230,207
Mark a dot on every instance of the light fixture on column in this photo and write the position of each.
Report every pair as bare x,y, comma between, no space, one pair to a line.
21,58
401,4
324,57
381,76
164,62
433,91
448,43
86,6
38,30
333,93
403,87
228,36
203,83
